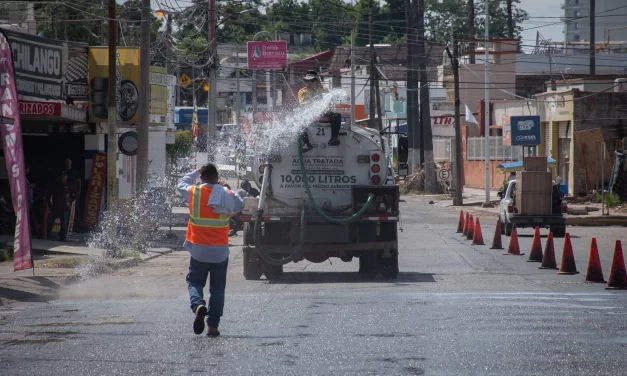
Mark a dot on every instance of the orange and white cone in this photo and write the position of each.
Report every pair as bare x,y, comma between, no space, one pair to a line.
514,247
471,228
535,253
460,224
618,275
465,230
477,238
548,259
567,265
594,273
496,241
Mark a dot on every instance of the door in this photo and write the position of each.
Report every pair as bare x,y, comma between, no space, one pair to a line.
563,160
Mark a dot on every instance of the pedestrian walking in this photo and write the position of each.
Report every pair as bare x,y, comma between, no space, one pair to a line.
59,198
211,204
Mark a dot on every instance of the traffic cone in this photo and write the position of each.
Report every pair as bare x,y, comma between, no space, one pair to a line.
594,273
460,225
535,253
496,242
618,275
567,265
514,248
471,228
477,238
465,230
548,259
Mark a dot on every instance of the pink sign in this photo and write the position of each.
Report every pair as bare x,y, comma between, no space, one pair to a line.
14,156
267,55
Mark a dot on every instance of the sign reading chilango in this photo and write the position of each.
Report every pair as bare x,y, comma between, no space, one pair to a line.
47,68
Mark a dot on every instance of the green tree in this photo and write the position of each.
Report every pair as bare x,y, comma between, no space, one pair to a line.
182,146
52,22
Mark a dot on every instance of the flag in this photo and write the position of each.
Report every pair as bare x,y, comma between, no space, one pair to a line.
11,132
469,117
195,129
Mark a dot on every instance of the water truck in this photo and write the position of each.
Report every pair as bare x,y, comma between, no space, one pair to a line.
331,201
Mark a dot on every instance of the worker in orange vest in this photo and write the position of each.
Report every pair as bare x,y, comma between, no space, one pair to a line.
211,204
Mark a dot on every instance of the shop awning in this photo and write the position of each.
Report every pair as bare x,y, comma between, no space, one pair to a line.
518,166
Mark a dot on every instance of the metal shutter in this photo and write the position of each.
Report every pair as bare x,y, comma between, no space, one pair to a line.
563,129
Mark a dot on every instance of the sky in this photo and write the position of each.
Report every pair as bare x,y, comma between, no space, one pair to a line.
550,28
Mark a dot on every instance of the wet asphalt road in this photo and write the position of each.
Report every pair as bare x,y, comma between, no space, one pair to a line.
455,310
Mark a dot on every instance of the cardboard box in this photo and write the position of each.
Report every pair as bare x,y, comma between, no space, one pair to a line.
534,192
536,164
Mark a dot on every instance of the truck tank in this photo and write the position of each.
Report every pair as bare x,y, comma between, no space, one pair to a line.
331,170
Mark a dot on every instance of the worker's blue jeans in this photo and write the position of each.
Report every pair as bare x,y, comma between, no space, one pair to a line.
196,281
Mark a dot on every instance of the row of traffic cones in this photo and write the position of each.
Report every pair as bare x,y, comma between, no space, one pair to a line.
471,228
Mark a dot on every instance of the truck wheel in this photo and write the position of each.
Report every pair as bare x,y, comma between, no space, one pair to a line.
558,231
389,266
248,234
273,272
368,264
508,229
252,272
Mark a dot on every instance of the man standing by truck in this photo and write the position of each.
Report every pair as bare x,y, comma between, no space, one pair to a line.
211,204
313,89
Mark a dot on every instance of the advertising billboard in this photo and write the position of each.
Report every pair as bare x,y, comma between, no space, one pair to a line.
267,55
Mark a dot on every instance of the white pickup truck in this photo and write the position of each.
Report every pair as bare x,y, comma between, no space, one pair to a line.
509,216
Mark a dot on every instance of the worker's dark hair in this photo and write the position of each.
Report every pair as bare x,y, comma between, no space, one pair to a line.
208,171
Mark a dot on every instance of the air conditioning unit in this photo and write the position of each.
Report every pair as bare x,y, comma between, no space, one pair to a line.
569,71
620,85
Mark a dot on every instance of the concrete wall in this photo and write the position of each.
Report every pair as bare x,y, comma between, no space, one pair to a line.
474,174
471,78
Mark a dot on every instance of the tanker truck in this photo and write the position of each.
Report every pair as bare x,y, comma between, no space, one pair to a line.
331,201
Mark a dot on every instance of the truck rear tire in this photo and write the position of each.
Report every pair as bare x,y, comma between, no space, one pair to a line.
368,264
389,266
508,229
252,271
558,231
248,234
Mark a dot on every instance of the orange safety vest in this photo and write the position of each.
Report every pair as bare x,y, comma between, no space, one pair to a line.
206,227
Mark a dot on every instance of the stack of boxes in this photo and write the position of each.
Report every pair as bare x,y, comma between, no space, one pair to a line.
534,187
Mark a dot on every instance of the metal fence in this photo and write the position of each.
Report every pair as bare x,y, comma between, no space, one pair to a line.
498,151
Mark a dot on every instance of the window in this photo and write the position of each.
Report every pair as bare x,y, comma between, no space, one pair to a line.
577,38
576,26
577,14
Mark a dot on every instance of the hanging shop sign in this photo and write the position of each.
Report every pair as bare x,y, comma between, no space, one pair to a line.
95,190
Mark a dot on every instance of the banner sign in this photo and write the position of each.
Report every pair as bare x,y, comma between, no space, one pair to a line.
40,108
48,68
95,190
267,55
14,157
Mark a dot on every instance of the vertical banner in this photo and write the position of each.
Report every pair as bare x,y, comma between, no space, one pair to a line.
95,190
14,157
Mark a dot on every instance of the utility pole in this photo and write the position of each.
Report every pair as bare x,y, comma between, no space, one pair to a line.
144,102
471,30
458,167
238,100
510,20
213,78
112,139
425,111
168,52
352,123
378,101
371,120
592,38
486,117
413,133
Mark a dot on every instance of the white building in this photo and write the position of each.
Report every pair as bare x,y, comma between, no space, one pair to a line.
610,20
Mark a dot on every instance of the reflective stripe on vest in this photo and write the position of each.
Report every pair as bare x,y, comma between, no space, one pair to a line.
194,216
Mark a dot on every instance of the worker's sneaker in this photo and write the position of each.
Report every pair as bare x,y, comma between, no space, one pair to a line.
307,147
199,321
213,332
334,141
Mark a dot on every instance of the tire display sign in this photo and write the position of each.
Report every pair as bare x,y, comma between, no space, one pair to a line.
128,143
47,68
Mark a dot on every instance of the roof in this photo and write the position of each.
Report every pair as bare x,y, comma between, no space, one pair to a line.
321,59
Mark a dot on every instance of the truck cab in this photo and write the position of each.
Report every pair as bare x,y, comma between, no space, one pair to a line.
509,216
